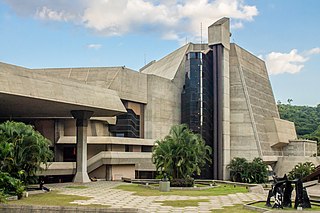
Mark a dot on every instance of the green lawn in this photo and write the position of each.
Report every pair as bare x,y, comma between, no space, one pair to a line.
186,203
182,203
220,190
262,205
52,198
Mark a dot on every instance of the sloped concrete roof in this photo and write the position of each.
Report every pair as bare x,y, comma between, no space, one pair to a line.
26,93
167,67
129,84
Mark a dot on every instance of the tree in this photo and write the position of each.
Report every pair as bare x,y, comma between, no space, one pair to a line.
181,154
301,170
22,150
306,119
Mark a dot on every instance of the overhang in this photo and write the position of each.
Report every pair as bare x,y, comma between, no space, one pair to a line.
26,94
108,140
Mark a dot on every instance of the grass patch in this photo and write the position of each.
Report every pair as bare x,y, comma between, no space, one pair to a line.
262,205
236,208
76,187
53,198
220,190
182,203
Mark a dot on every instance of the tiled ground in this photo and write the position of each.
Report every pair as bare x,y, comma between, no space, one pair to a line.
102,192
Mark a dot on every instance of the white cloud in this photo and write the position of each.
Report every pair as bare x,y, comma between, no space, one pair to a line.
292,62
171,19
313,51
50,14
236,25
94,46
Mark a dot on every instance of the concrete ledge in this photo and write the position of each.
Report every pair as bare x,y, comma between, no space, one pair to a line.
6,208
235,183
310,183
254,208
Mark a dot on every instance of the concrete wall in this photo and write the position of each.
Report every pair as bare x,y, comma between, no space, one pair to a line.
95,127
285,164
94,149
279,132
303,148
163,108
255,104
46,128
119,171
100,173
117,148
243,142
114,78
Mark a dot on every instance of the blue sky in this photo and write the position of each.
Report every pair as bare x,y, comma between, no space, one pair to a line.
89,33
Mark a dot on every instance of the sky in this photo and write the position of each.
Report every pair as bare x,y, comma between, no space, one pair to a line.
131,33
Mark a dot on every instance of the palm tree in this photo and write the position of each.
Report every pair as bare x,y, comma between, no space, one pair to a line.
181,154
22,150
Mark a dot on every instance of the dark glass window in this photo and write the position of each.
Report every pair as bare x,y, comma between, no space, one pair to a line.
199,72
128,125
146,149
70,154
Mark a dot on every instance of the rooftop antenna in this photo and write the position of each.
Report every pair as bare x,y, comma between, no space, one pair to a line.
145,59
201,36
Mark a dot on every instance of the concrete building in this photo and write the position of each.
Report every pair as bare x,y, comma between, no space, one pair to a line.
103,122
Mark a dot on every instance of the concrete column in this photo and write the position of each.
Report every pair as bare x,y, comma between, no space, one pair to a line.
82,117
219,42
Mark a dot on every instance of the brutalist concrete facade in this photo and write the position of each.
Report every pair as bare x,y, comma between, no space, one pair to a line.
236,113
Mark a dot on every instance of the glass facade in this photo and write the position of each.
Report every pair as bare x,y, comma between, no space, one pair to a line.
128,125
197,98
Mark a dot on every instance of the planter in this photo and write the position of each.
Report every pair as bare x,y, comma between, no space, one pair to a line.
164,186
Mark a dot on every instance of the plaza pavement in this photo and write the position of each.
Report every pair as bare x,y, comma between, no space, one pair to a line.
103,193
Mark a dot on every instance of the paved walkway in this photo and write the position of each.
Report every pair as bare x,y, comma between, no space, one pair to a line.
103,192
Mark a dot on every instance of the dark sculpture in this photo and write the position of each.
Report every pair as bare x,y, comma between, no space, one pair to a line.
302,199
282,190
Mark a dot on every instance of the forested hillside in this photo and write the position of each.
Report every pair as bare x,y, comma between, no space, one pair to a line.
306,119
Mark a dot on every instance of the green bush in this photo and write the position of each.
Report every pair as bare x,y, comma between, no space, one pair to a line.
187,182
3,197
181,154
22,150
301,170
11,185
248,172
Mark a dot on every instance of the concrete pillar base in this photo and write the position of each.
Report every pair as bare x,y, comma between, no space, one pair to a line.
81,177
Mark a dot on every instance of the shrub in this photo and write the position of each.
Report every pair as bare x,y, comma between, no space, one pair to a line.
181,154
22,150
248,172
301,170
187,182
3,197
11,185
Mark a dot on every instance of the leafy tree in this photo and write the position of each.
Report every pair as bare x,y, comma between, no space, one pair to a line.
22,150
181,154
301,170
306,118
248,172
